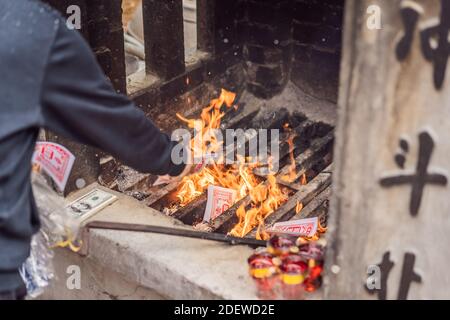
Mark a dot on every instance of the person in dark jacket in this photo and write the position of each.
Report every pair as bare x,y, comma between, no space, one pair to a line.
49,78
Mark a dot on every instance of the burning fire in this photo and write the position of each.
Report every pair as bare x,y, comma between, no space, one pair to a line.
291,176
303,180
298,207
265,197
292,170
320,230
237,177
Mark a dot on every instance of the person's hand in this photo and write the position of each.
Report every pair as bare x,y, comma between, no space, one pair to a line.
189,169
166,179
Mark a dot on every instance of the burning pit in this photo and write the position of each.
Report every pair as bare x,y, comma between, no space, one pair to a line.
299,189
262,52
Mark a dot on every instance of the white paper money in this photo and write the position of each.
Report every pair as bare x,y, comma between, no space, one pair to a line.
56,160
298,228
219,200
89,204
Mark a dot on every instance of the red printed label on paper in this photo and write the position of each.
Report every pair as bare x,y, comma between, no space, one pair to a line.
219,200
299,228
56,160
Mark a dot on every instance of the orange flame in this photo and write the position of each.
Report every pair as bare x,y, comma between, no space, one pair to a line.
298,207
233,177
320,230
292,175
265,197
303,180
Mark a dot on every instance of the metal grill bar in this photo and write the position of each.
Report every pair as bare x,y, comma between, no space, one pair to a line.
174,232
226,220
307,193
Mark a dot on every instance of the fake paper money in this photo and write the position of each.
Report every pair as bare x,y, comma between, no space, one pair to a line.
55,159
298,228
219,200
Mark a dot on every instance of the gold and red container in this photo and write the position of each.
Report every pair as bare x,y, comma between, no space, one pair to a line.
280,245
263,270
293,271
313,253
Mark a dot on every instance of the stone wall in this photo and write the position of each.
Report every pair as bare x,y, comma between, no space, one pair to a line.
267,37
389,224
298,40
317,37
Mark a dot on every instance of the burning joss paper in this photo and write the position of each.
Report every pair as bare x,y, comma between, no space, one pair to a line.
219,200
299,228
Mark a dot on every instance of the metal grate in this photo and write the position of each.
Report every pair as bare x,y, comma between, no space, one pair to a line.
313,157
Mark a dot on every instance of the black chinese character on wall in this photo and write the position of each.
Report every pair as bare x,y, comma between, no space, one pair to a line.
434,38
408,276
420,177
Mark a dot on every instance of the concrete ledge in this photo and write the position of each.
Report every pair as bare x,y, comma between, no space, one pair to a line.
97,282
162,265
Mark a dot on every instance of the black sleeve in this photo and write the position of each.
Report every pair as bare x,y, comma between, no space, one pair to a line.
79,102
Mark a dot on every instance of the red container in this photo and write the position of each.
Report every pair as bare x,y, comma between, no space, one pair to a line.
293,271
264,273
281,246
314,254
